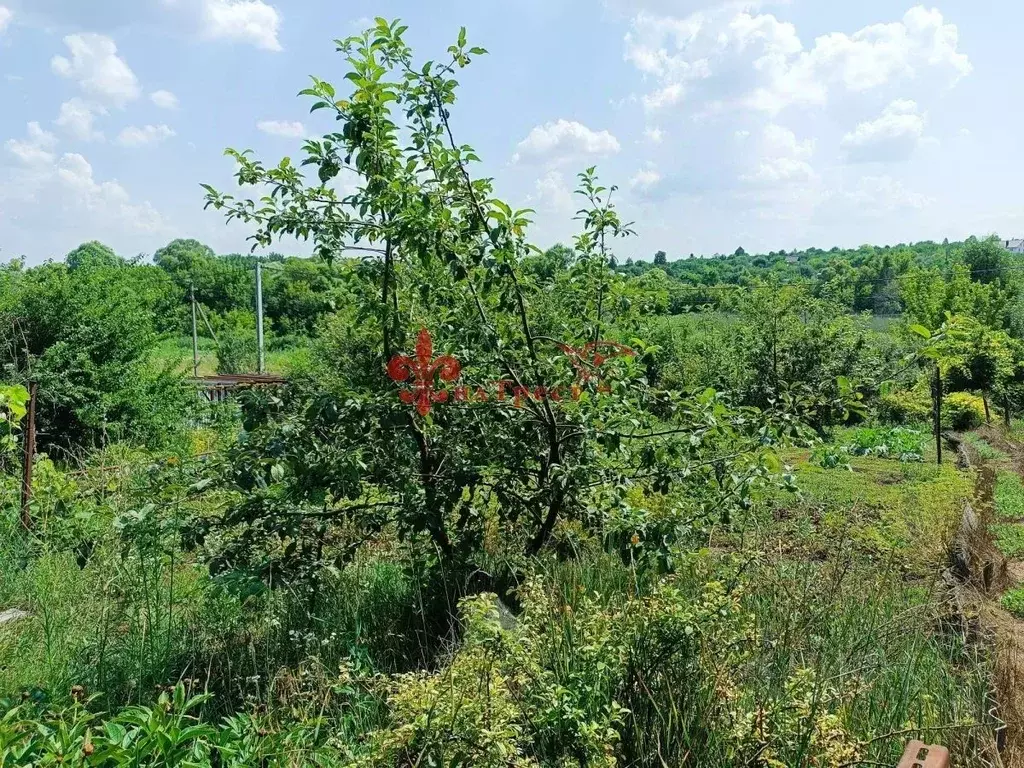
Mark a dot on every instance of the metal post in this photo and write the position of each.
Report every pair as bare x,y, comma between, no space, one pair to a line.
30,452
195,333
259,315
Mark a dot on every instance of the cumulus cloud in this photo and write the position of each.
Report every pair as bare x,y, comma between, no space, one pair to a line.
5,18
36,149
892,136
98,70
46,198
551,193
880,195
562,140
291,130
747,59
654,135
164,99
783,158
77,117
135,136
645,179
107,199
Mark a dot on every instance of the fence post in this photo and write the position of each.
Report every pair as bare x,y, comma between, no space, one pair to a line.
29,457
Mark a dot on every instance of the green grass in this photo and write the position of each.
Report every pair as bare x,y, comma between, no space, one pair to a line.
1010,539
816,619
1009,495
985,451
881,507
1013,601
177,352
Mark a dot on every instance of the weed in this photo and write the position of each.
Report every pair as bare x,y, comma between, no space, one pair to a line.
1013,601
1009,495
888,442
1010,539
985,451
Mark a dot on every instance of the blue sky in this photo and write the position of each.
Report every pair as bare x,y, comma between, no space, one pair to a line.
725,123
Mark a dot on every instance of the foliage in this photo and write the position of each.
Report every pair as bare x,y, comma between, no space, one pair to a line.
476,486
1013,601
1009,495
13,407
963,411
1009,539
905,406
85,335
831,457
894,442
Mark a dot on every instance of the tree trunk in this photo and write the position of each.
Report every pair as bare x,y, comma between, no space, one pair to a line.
984,399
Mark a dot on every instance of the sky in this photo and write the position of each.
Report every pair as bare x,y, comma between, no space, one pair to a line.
724,123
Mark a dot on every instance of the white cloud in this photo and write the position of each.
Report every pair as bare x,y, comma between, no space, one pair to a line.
37,149
551,194
881,195
562,140
247,21
5,17
644,179
892,136
747,59
107,199
164,99
51,203
97,68
291,130
654,135
783,159
134,136
76,118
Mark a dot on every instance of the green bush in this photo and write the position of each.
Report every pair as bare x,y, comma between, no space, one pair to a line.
907,406
963,411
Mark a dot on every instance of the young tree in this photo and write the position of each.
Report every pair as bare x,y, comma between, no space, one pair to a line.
448,275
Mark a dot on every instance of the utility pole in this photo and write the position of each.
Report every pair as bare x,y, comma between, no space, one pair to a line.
259,315
195,334
30,452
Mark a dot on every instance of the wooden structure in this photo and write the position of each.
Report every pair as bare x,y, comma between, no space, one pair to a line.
219,387
921,755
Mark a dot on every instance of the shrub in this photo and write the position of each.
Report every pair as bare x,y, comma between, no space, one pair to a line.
907,406
963,411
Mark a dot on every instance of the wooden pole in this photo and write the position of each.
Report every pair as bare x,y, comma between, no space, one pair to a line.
938,414
195,334
30,452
